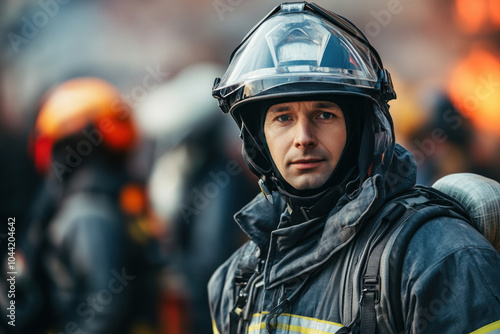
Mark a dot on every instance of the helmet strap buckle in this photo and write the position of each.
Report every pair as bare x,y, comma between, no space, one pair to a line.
265,191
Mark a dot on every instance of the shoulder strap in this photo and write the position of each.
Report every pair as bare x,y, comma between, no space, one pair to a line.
370,283
410,211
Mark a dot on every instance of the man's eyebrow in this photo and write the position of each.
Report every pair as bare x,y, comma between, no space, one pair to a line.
279,108
326,105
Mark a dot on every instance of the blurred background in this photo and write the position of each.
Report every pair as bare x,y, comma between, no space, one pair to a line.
184,174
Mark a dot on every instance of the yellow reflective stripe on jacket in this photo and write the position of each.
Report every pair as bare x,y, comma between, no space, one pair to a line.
290,323
214,328
493,328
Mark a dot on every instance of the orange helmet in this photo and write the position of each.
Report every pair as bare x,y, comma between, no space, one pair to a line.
73,106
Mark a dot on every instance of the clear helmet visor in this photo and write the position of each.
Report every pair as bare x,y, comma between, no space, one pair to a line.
296,46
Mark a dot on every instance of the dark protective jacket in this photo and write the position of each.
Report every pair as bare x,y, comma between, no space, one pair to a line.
449,276
84,279
90,279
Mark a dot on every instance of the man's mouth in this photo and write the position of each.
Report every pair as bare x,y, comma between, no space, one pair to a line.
307,163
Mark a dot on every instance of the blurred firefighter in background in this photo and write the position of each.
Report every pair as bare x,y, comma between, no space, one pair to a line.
197,183
79,269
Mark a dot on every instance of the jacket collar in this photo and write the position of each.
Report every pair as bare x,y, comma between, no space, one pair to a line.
259,218
299,249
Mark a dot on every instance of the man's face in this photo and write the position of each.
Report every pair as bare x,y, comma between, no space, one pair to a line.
306,140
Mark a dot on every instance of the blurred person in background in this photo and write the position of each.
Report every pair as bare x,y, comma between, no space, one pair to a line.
197,184
442,144
77,266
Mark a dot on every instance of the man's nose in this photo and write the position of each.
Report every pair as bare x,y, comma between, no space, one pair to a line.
304,134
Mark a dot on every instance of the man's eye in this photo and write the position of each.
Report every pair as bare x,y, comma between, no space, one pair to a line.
326,115
283,118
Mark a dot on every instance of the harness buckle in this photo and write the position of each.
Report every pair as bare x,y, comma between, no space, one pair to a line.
371,288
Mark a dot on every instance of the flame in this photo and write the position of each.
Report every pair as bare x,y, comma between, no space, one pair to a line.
475,89
474,16
494,11
471,14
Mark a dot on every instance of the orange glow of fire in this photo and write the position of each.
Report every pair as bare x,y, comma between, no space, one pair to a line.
474,16
475,89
